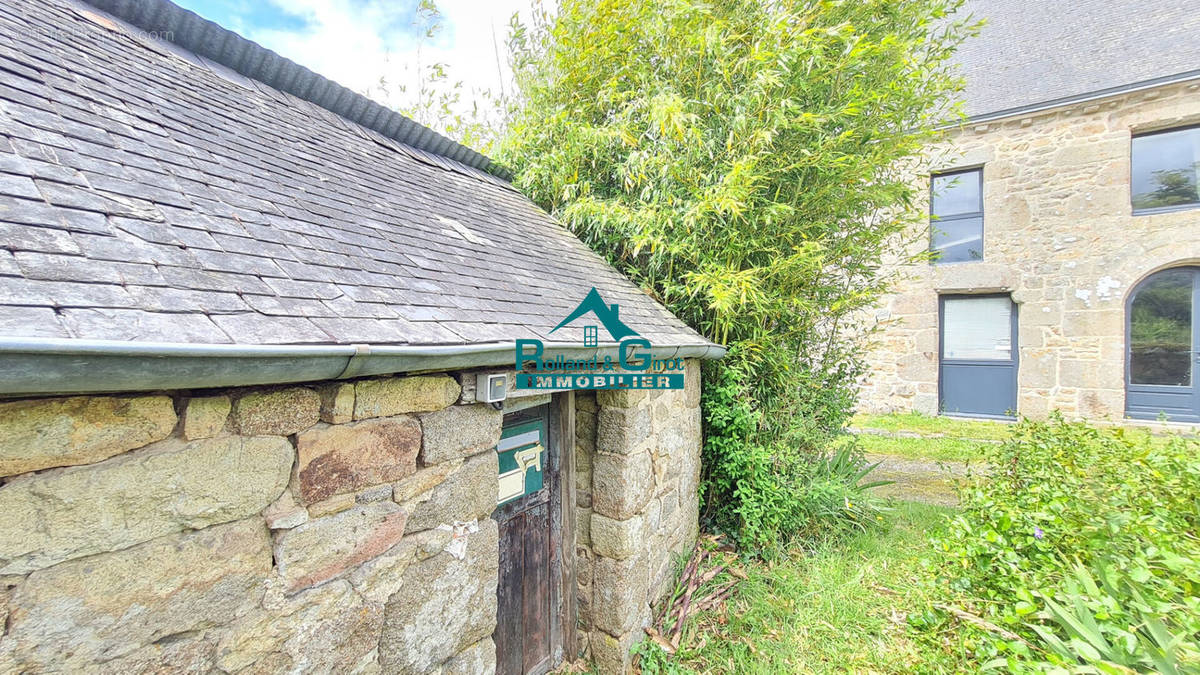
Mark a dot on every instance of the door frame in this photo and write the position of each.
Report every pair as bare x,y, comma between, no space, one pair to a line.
1015,351
562,527
1130,387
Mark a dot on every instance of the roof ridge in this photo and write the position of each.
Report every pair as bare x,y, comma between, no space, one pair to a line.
176,25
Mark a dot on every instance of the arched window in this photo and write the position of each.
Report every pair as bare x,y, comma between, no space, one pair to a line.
1163,347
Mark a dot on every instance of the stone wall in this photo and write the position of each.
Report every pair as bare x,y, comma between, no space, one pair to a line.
1060,236
339,527
637,460
301,529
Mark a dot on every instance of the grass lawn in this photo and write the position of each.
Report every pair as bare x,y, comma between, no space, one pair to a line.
841,609
941,438
940,449
950,427
950,438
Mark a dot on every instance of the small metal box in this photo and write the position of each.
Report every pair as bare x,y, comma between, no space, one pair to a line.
491,387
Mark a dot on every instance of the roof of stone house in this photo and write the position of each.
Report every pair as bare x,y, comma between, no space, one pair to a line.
150,194
1032,52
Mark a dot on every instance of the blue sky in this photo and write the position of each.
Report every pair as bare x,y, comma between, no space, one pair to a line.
241,15
357,42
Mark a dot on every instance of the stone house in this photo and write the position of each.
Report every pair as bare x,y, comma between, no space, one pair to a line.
1064,222
251,325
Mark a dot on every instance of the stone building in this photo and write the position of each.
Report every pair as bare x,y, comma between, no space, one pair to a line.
250,324
1064,222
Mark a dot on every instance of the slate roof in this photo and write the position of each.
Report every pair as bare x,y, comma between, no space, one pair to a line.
147,194
1032,51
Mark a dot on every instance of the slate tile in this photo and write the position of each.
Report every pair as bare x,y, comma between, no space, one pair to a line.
348,308
426,286
140,274
276,306
16,237
54,267
306,272
8,265
68,294
37,147
291,288
273,233
191,238
34,168
128,248
325,258
158,299
138,325
17,68
114,188
187,277
373,294
18,291
220,261
31,322
204,219
21,106
254,247
260,329
427,332
73,129
75,197
383,331
18,186
422,313
81,163
146,230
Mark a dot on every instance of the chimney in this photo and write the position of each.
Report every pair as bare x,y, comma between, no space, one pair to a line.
614,309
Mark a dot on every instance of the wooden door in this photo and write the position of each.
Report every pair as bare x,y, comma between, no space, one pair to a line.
529,583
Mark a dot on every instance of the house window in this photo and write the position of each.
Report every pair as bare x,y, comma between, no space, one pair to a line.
1165,165
956,207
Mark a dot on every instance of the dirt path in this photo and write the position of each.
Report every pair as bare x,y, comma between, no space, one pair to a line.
919,480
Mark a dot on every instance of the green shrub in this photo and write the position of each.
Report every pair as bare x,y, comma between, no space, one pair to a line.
747,164
802,486
1063,504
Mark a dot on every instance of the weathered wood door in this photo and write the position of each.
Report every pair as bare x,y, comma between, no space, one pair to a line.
528,592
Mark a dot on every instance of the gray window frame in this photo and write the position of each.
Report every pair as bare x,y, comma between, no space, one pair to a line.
1134,407
1156,209
1014,362
933,219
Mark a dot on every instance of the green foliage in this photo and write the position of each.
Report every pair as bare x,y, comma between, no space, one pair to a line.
747,163
1062,505
811,494
1115,624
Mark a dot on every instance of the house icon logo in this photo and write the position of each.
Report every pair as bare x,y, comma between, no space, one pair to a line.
629,364
608,315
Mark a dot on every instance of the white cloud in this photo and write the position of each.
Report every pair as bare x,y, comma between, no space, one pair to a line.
356,42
